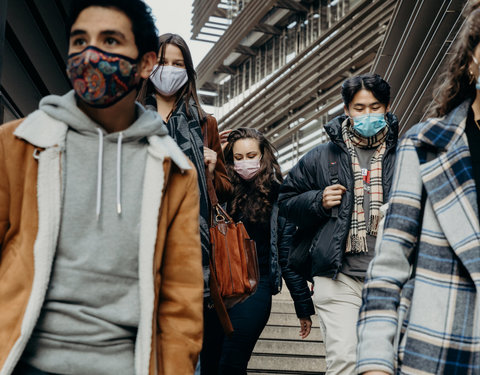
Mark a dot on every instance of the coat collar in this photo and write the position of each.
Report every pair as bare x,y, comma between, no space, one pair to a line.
43,131
442,133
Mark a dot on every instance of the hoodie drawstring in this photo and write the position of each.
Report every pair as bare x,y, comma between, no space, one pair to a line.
99,172
119,173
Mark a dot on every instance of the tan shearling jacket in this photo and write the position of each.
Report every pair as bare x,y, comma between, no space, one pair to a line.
169,335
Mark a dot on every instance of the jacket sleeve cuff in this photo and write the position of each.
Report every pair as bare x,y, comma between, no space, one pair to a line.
304,308
322,212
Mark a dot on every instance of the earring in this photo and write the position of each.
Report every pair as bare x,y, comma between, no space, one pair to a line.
471,77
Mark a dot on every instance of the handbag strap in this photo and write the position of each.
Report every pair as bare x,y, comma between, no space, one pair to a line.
215,295
212,195
219,305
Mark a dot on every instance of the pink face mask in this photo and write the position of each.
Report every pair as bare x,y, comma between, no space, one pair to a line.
247,169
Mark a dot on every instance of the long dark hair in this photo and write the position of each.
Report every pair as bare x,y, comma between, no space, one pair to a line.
253,200
189,90
457,83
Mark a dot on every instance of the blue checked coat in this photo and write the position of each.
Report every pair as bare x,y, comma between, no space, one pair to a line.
427,324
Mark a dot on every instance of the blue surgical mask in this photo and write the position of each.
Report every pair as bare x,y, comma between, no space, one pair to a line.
369,124
477,85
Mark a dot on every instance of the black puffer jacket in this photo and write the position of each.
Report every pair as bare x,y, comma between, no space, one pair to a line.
301,195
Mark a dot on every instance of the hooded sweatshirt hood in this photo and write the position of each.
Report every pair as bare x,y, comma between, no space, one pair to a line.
64,108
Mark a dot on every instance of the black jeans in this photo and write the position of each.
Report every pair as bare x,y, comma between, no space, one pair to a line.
230,356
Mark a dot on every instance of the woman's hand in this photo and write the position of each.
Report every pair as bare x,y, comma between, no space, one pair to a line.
224,138
210,158
305,327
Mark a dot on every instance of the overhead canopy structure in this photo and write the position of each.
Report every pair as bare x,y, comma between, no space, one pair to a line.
277,65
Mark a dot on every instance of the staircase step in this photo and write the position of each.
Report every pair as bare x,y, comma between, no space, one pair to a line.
289,333
283,372
288,319
290,347
294,363
285,307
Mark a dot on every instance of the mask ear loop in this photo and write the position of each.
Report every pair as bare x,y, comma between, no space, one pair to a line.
350,121
155,69
470,73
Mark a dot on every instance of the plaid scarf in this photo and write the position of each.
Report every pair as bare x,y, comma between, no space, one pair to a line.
357,236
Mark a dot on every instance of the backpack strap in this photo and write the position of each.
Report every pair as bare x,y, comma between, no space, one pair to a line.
333,171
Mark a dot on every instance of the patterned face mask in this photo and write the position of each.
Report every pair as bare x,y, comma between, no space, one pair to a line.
100,78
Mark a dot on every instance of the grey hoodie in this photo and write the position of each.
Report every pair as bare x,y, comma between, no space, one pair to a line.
90,316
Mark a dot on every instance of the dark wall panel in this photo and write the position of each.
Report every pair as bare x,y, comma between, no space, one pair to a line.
55,23
18,84
30,36
3,19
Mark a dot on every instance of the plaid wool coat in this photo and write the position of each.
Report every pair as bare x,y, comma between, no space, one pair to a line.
429,323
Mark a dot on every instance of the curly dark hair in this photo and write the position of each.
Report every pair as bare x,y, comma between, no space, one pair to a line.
253,200
457,83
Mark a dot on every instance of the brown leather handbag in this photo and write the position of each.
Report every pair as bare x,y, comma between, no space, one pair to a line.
233,256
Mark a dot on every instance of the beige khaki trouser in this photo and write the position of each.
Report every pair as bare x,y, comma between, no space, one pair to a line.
337,303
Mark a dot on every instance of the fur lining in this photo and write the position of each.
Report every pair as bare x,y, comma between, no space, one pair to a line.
151,201
168,147
41,130
49,203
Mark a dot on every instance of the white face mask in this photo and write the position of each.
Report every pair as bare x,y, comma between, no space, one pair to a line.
168,79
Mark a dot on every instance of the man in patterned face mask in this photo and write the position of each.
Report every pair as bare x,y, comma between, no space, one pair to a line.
334,196
100,262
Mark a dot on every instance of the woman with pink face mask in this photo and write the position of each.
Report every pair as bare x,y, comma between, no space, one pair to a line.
256,177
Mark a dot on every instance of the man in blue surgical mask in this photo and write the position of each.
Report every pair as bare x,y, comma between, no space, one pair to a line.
334,196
